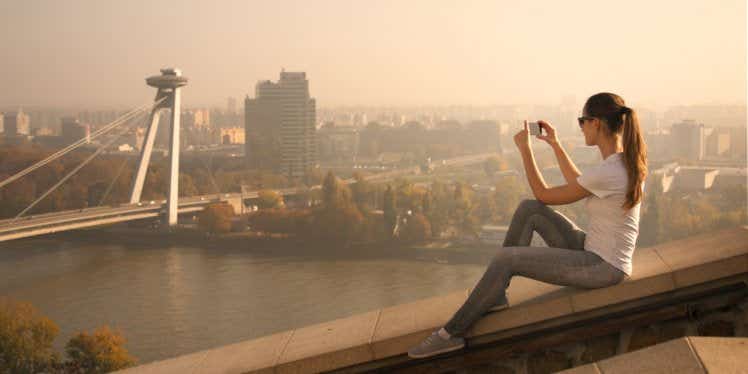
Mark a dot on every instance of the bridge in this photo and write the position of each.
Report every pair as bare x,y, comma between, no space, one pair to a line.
49,223
168,96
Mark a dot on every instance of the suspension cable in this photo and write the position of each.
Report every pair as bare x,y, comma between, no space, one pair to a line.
109,188
124,118
77,168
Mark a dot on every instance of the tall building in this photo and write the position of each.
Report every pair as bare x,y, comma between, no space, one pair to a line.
196,118
16,124
231,135
688,140
72,131
280,126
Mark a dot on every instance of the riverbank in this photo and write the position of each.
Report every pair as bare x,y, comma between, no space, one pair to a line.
443,251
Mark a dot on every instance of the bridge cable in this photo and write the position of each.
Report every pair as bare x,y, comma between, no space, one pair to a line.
117,122
111,184
109,188
77,168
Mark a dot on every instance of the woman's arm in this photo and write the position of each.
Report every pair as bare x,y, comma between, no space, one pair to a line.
565,194
568,169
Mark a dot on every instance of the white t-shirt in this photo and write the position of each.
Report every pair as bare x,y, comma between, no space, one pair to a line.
612,231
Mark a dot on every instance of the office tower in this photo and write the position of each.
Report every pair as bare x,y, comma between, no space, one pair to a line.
688,140
72,131
280,126
16,124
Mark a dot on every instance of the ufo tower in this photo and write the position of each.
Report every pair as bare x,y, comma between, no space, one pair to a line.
167,97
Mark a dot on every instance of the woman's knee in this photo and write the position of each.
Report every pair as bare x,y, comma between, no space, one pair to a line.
502,258
530,205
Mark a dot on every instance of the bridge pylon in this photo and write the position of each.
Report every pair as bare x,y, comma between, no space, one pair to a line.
168,96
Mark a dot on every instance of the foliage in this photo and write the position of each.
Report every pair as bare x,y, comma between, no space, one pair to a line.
416,229
492,165
338,220
216,218
25,338
362,192
279,220
87,187
102,351
506,198
267,199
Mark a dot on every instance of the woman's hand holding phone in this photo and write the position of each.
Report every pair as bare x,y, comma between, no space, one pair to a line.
550,138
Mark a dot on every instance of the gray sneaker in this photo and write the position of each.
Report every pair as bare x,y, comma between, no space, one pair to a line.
434,344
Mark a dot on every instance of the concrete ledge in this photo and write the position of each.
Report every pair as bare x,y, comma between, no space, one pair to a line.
391,331
685,355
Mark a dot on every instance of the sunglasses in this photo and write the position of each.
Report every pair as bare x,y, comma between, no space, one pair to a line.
582,119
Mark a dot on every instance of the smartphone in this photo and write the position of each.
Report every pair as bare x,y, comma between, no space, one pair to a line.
535,128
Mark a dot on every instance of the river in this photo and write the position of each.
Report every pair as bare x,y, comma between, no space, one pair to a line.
169,300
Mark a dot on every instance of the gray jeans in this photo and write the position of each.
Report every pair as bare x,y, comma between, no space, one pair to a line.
564,262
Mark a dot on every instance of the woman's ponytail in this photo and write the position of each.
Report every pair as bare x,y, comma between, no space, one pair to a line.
635,157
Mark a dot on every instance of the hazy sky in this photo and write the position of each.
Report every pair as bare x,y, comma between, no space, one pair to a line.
98,52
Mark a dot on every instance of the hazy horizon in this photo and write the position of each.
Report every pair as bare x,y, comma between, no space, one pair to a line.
92,53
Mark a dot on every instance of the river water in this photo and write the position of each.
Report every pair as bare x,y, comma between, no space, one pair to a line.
175,299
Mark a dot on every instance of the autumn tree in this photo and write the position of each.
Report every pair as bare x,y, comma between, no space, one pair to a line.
216,218
416,229
279,221
267,199
440,204
361,191
26,338
338,219
101,351
506,196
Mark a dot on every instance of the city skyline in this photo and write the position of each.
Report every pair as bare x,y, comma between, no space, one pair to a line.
478,54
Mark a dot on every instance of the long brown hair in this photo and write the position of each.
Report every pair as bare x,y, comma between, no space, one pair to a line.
611,109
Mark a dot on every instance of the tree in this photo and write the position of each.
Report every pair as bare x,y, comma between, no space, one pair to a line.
463,212
338,219
279,221
26,338
416,229
361,191
651,217
216,218
486,209
506,198
334,194
267,199
491,165
102,351
187,185
439,206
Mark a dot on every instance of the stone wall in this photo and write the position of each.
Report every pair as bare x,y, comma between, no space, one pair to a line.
729,321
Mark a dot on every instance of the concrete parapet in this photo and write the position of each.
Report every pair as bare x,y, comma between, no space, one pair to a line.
686,287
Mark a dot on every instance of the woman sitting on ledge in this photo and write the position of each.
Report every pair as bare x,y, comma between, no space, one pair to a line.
599,258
